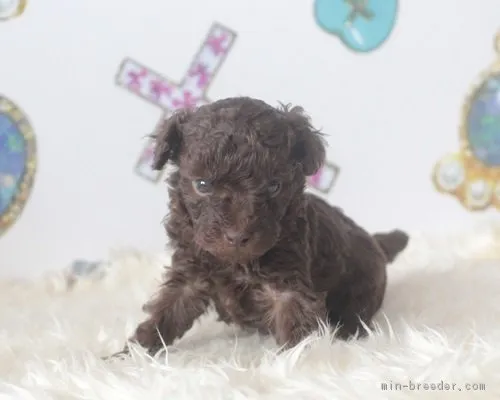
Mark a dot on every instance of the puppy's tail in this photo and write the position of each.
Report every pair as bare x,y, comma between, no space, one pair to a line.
392,243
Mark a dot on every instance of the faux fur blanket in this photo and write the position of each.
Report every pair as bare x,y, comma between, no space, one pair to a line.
438,337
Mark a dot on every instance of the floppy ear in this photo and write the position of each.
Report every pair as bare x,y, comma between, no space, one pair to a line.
308,146
168,138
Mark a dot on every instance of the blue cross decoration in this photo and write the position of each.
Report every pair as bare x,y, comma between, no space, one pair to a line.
362,25
17,162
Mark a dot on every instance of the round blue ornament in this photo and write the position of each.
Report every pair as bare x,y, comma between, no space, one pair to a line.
483,122
17,162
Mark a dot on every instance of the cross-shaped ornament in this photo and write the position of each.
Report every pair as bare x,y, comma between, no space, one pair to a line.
163,93
359,7
326,177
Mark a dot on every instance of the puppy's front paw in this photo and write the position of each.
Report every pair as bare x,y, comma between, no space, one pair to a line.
289,339
147,336
121,355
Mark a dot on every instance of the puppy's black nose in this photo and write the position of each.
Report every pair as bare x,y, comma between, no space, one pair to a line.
236,238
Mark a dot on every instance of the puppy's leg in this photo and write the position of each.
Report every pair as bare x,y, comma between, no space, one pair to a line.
179,303
353,303
223,315
291,313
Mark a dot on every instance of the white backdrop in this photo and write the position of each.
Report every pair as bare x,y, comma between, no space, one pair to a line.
391,113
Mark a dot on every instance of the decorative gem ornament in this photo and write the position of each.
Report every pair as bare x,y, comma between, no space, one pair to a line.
10,9
324,180
85,270
17,162
362,25
169,96
473,174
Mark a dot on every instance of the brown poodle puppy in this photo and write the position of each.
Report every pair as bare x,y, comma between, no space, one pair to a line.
246,237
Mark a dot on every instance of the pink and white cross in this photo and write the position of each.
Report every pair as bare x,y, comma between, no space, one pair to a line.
324,180
169,96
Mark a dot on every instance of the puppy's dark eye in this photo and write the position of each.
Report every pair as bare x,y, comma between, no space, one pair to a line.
202,187
274,188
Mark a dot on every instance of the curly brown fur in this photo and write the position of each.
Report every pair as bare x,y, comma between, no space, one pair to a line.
249,240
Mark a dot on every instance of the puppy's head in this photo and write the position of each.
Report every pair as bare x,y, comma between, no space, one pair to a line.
240,164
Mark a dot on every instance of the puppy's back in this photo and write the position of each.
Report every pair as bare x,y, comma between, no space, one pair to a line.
339,246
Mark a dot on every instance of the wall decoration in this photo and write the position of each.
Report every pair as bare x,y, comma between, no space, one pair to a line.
472,175
362,25
85,270
168,96
17,162
10,9
324,180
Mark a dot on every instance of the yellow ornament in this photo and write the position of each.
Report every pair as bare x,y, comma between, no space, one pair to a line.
472,175
10,9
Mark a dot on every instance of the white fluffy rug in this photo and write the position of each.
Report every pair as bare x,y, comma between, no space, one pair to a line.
439,328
